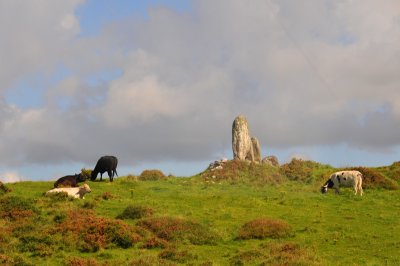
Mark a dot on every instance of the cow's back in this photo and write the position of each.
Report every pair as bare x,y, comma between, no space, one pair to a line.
106,163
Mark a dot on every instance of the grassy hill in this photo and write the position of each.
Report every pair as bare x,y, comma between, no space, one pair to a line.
244,214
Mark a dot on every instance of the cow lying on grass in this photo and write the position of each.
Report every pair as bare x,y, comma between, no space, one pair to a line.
69,181
76,192
344,179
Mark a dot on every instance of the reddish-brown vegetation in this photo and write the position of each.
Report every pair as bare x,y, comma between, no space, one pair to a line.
373,179
92,233
265,228
151,175
176,229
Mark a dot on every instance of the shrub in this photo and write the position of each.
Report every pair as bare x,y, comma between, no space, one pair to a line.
37,245
151,175
107,196
92,233
16,207
302,170
373,179
289,254
3,189
176,229
59,197
86,173
155,242
265,228
135,212
247,257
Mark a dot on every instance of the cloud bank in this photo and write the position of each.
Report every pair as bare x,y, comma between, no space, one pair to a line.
168,86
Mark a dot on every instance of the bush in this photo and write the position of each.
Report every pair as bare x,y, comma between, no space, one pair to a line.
86,173
41,245
16,207
265,228
151,175
302,170
176,229
289,254
135,212
91,233
155,242
3,189
373,179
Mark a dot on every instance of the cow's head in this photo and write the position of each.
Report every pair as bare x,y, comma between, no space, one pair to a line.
80,178
328,184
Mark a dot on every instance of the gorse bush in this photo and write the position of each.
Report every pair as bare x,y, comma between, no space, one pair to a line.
135,212
265,228
151,175
176,229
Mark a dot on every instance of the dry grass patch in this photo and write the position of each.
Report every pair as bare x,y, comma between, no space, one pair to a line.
265,228
135,212
177,229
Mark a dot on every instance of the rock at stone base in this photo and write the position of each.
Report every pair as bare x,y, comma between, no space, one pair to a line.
271,160
256,149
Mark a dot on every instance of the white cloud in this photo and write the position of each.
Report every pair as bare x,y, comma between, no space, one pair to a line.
305,74
11,177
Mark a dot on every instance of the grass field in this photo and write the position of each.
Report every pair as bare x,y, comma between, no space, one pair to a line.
232,219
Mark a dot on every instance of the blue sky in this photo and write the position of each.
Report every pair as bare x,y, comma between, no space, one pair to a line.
159,83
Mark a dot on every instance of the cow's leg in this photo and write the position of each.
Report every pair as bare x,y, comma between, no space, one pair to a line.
360,189
337,190
101,176
110,175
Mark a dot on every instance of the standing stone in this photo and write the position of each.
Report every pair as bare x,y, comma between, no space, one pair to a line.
256,149
241,142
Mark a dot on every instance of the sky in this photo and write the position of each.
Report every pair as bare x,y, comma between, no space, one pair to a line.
159,83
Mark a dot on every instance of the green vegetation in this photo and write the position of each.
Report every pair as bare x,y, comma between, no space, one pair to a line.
244,214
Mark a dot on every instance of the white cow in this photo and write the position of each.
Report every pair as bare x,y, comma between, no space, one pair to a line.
344,179
76,192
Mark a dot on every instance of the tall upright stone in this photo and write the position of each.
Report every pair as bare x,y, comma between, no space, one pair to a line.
256,149
241,142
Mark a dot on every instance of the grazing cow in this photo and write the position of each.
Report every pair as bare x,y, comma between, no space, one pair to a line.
105,164
76,192
69,181
344,179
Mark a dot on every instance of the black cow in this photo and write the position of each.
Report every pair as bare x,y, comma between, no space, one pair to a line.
69,181
105,164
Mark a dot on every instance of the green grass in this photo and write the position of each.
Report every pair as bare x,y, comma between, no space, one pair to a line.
195,221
